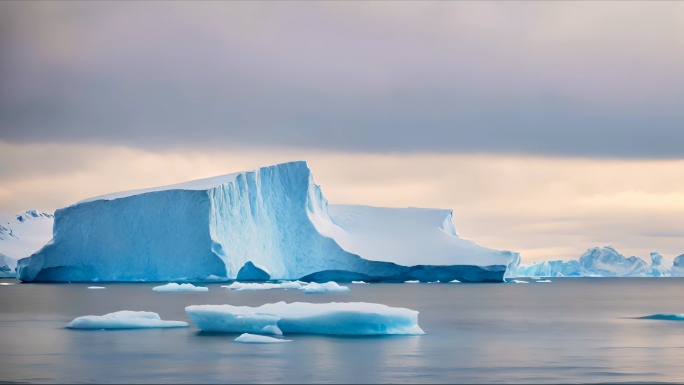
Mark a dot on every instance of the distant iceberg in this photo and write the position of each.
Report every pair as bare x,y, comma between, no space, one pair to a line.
174,287
20,236
313,318
328,287
665,317
247,338
124,319
253,286
600,262
678,266
269,224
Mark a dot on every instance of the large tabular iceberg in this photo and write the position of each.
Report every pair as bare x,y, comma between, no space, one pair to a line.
271,223
313,318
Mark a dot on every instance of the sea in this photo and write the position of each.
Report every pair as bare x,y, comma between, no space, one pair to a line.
569,330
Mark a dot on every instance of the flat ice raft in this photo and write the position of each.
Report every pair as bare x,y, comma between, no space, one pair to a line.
272,223
356,318
124,319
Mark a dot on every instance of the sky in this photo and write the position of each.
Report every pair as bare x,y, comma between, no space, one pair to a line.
549,127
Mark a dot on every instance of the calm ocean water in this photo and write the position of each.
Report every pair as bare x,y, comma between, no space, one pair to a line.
569,330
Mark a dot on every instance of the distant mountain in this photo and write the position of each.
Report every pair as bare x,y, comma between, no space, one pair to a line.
20,236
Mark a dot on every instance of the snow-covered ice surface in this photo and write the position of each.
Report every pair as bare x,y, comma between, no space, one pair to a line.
22,235
356,318
253,286
174,287
328,287
247,338
272,223
124,319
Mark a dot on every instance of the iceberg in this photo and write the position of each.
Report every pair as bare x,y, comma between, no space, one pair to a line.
678,266
247,338
328,287
660,267
238,286
665,317
174,287
314,318
124,319
360,282
272,223
595,262
96,287
20,236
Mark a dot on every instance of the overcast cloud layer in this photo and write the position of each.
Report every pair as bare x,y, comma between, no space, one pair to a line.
585,79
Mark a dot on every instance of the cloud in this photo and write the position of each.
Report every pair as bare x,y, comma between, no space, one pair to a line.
544,207
596,79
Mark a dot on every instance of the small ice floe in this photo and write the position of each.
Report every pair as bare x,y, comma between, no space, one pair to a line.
238,286
174,287
414,281
247,338
543,281
665,317
519,281
360,282
6,283
455,281
314,318
328,287
124,319
434,282
96,287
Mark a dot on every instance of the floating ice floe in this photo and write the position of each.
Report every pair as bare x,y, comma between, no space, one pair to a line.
328,287
455,281
124,319
412,281
96,287
174,287
247,338
334,318
238,286
543,281
6,283
360,282
519,281
665,317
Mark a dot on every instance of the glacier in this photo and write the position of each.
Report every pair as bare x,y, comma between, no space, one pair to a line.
354,318
603,262
272,223
124,319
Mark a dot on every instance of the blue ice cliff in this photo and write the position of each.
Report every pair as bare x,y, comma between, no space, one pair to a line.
270,223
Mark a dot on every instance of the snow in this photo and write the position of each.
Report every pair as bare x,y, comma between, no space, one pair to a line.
272,223
314,318
174,287
124,319
96,287
238,286
247,338
328,287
